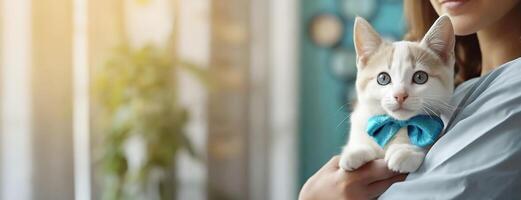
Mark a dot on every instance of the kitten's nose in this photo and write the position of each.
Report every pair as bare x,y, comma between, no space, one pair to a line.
401,97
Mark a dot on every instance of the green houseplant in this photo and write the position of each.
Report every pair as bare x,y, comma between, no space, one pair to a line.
137,91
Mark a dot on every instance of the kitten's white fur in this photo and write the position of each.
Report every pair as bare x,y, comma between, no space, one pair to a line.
434,55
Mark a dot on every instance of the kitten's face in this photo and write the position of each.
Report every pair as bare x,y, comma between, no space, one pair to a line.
406,78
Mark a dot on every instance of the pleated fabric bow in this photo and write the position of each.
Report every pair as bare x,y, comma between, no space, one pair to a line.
422,129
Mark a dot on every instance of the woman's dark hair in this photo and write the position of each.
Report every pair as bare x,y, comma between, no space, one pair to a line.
420,15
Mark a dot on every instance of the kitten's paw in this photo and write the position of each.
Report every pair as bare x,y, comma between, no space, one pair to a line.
356,156
404,158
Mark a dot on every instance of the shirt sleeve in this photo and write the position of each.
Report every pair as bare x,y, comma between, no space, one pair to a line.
479,157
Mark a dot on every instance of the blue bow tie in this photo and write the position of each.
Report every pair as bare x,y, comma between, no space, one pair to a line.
422,129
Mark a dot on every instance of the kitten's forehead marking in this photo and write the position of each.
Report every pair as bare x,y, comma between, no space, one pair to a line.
391,56
403,54
412,60
401,59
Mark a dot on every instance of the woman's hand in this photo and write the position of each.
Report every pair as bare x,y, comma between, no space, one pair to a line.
333,183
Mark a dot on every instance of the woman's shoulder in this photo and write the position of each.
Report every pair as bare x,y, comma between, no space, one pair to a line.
489,111
508,74
500,85
492,98
504,77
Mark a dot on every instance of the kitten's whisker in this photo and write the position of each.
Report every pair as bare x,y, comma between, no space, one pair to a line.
434,99
428,114
427,106
438,100
347,117
440,103
433,95
444,106
343,106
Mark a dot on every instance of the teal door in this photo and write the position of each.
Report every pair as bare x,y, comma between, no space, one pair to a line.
327,71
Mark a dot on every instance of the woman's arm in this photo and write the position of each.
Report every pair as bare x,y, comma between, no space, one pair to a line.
367,182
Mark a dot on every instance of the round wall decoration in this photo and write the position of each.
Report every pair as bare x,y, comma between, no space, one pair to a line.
326,30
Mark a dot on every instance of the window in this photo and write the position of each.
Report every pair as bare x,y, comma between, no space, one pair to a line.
243,123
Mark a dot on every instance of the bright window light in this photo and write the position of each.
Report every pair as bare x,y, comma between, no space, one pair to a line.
16,164
81,103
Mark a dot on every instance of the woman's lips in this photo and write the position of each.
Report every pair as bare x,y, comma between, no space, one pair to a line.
452,5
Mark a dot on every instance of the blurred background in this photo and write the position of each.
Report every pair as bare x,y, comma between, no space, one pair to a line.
175,99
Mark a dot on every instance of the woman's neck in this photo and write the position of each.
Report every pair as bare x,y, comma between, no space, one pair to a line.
501,42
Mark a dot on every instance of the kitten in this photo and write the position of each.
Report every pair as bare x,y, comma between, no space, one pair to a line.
402,80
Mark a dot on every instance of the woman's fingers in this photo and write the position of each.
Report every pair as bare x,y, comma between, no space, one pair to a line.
332,164
332,182
377,188
375,171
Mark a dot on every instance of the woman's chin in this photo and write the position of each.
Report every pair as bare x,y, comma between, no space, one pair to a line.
465,25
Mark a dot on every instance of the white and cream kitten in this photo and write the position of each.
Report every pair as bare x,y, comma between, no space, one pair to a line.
401,79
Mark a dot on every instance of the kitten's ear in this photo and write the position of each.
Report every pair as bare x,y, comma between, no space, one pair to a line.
440,38
366,40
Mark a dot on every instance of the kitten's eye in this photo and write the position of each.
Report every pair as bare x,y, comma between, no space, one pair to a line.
383,78
420,77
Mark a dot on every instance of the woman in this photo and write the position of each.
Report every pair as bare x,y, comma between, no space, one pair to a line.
479,157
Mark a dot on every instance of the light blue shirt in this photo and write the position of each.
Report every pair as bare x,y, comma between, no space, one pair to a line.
479,157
